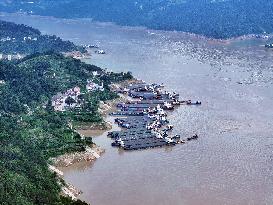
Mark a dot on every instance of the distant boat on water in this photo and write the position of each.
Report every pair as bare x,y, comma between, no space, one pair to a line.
270,45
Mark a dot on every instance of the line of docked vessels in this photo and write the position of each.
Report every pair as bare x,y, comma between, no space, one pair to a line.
143,119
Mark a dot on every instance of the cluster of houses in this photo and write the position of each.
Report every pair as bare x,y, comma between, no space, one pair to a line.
29,38
59,101
70,99
77,55
7,39
99,51
91,86
11,57
90,46
26,38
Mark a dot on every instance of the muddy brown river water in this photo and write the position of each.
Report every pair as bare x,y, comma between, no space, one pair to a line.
232,161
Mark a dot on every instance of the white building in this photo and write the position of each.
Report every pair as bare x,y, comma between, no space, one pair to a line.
19,56
58,101
91,86
95,73
100,52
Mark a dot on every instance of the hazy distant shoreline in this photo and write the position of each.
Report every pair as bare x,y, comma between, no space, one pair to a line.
109,23
217,18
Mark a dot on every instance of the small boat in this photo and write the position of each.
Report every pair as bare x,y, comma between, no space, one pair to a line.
189,102
198,103
115,144
170,141
168,106
159,136
165,134
125,125
194,137
169,127
118,143
181,142
270,45
122,143
176,137
176,102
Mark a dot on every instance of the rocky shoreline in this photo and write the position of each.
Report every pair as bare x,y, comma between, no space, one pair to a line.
90,154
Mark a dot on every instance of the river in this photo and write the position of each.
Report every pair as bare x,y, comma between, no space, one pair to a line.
232,161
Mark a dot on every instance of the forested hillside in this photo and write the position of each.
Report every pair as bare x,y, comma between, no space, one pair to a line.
31,131
212,18
23,39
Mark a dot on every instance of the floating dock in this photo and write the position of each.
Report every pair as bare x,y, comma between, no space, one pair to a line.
144,123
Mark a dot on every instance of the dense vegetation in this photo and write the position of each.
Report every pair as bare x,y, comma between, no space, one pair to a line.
212,18
26,40
31,131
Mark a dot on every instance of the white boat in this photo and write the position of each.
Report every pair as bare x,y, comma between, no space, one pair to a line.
122,143
158,135
169,140
168,106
